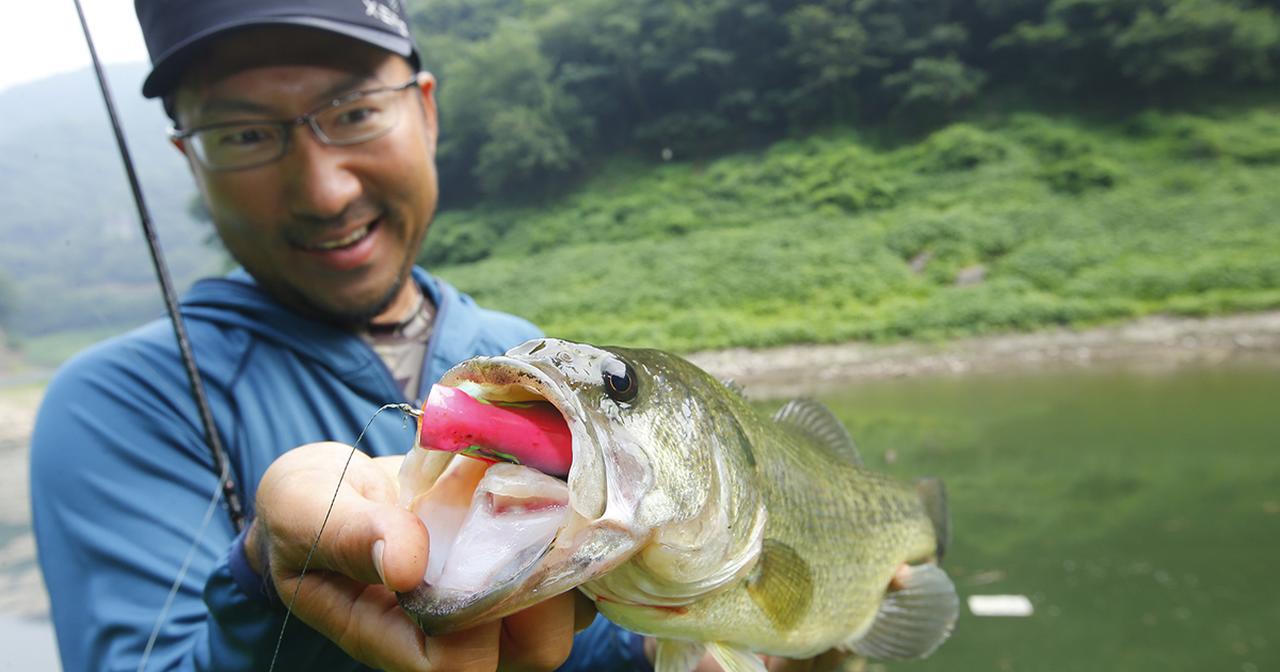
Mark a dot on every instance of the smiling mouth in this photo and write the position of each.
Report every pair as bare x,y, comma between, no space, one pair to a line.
344,242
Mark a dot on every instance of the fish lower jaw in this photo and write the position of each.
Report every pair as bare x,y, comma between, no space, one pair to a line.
488,528
502,537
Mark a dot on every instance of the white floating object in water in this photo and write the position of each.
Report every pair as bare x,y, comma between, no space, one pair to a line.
1000,605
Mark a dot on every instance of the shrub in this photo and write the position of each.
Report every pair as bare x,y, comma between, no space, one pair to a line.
958,147
1079,174
1049,140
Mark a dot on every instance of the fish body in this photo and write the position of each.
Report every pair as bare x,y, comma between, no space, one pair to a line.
686,515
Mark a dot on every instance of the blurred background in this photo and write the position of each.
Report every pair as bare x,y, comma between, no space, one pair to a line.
1029,246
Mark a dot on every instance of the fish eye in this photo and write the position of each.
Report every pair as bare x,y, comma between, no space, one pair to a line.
619,380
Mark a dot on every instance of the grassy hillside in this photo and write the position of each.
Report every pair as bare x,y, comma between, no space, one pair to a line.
70,246
1010,222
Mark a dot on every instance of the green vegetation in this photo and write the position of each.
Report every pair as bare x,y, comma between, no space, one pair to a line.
772,221
531,91
926,226
1014,223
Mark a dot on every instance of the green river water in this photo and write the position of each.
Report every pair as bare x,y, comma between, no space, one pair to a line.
1139,512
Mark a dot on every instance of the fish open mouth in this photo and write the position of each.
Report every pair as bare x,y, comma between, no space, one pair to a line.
503,534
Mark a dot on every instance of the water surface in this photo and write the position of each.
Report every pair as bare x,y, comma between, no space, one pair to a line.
1140,512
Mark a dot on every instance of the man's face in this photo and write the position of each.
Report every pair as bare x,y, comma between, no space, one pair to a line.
326,230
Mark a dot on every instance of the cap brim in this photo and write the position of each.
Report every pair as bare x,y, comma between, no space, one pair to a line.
169,67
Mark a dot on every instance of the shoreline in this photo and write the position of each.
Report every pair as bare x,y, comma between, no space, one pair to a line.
1155,343
1151,343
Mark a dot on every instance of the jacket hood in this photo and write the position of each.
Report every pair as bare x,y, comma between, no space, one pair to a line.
236,302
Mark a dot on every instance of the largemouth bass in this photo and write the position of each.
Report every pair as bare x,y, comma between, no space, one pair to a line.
685,515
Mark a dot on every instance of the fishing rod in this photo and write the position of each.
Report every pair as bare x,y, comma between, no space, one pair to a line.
220,463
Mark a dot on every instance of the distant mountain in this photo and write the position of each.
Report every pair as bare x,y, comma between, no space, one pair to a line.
69,234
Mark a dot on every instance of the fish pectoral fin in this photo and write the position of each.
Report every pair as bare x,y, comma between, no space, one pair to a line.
677,655
735,659
781,585
810,418
915,620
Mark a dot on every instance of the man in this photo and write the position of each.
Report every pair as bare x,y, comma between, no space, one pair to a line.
311,135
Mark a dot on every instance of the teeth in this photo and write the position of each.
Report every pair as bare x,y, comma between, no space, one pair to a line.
344,241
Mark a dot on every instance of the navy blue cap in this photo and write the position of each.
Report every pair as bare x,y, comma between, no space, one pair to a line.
175,30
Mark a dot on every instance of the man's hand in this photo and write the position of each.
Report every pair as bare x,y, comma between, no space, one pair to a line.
370,548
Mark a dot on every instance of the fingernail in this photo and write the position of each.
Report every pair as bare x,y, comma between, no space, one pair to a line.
378,547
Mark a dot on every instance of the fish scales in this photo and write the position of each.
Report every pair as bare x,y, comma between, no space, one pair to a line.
823,510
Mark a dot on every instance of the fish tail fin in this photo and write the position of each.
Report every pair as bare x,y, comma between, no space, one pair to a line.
914,621
934,496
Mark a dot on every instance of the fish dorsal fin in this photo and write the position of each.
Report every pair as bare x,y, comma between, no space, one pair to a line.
734,387
934,496
677,655
818,423
735,659
915,620
781,585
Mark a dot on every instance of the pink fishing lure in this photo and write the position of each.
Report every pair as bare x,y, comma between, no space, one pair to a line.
531,433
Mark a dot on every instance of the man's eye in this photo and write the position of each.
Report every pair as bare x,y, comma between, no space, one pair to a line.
357,116
243,137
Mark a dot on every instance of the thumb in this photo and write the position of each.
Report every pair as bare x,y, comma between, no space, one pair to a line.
307,513
374,542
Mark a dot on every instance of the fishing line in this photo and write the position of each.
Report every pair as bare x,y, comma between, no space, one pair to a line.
221,465
409,411
177,582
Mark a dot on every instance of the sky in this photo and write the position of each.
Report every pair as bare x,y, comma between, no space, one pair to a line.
39,38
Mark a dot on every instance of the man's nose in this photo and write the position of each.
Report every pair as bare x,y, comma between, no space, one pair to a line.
320,180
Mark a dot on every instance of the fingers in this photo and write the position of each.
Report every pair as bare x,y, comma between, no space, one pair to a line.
367,622
584,611
370,545
294,500
900,577
826,662
390,465
776,664
539,637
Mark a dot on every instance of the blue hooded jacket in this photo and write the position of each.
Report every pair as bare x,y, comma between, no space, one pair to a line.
122,480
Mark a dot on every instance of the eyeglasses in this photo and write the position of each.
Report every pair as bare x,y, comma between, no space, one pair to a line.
234,145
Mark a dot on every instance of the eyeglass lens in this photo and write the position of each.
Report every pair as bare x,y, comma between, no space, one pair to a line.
357,119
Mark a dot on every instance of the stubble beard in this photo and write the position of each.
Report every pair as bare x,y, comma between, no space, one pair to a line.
363,315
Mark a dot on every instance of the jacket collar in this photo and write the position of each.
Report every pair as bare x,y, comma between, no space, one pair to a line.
236,300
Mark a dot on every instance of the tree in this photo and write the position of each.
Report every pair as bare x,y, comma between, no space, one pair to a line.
1098,44
496,98
523,149
830,51
938,84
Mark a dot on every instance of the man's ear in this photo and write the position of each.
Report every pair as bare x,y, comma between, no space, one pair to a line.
427,87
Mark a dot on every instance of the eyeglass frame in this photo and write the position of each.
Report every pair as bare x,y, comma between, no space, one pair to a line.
287,126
